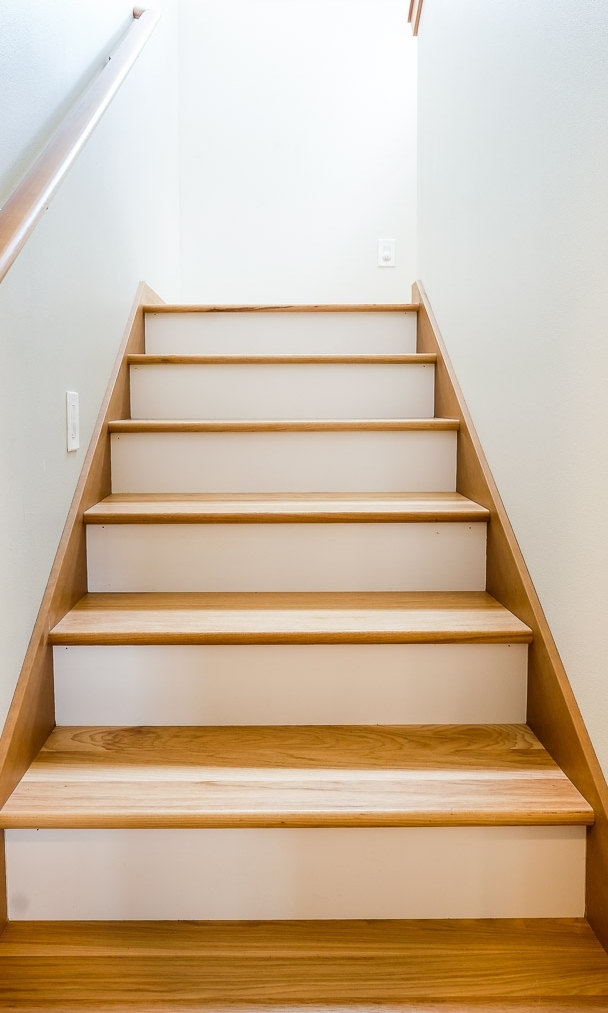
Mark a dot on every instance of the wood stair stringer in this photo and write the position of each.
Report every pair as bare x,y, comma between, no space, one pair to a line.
553,713
31,714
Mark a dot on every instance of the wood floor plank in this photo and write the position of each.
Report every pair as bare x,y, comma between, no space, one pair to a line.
452,966
280,425
123,508
297,776
347,617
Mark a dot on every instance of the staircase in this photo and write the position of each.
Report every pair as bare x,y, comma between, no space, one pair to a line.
291,763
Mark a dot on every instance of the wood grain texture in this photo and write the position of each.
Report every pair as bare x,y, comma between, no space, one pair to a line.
319,308
282,360
451,966
176,508
267,618
32,715
27,204
280,425
302,776
552,709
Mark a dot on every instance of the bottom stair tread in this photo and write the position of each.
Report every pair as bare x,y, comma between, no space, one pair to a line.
451,965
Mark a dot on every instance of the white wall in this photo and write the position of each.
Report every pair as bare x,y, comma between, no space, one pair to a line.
298,149
297,137
48,55
65,301
513,251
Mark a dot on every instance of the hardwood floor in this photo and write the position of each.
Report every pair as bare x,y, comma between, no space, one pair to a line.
480,966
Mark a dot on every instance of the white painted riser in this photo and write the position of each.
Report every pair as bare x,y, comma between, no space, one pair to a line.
327,391
281,333
284,462
426,872
287,557
280,684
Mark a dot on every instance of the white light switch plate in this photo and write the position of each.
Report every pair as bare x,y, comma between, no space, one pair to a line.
386,253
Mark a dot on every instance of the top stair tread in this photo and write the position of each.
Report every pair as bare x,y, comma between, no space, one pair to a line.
290,617
287,308
298,776
280,425
483,966
296,359
124,508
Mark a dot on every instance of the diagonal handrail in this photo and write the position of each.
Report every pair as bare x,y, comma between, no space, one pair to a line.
414,15
26,205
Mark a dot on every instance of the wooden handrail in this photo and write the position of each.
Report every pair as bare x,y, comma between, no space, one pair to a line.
26,205
415,9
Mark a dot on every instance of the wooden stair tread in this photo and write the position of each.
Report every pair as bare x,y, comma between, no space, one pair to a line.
294,308
165,359
298,776
280,425
280,617
125,508
486,966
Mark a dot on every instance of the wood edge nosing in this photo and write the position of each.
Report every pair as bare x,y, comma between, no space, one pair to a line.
295,308
31,714
281,820
553,713
148,359
281,425
304,517
123,639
